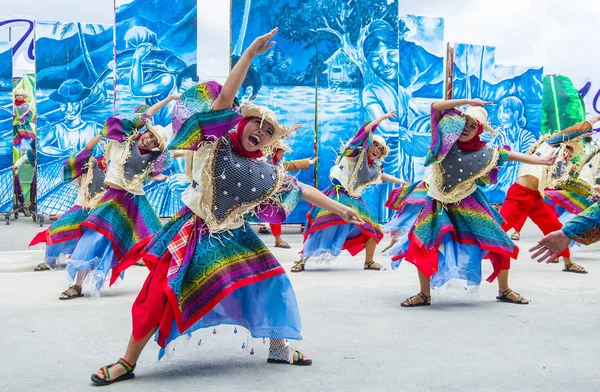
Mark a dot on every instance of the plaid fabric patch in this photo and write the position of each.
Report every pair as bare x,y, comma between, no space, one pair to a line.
178,245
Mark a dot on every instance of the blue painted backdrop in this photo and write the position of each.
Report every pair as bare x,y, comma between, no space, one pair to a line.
74,98
6,151
156,56
516,93
284,78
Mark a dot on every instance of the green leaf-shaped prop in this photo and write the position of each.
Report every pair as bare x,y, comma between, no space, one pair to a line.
562,105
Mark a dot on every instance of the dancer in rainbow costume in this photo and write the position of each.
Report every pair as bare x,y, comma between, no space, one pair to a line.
123,220
357,167
208,265
61,238
457,227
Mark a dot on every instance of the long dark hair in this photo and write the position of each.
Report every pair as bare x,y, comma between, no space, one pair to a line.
379,32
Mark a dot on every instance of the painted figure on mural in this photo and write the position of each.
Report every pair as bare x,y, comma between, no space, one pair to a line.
69,136
383,93
511,134
156,73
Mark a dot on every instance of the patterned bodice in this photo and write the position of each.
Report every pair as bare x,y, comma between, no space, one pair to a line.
226,186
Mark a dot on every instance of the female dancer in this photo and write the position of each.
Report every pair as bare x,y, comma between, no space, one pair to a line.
357,167
123,219
208,265
457,226
61,238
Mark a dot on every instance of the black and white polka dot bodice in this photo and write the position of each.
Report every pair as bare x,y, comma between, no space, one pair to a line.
227,186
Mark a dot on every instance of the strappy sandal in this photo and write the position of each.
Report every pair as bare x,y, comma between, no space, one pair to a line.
140,263
579,270
68,295
301,361
516,236
371,265
41,267
106,380
426,301
503,297
264,230
298,266
282,244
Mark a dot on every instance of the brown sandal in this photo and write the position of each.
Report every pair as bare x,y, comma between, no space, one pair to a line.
298,266
503,297
41,267
68,295
579,270
282,244
371,265
426,301
516,236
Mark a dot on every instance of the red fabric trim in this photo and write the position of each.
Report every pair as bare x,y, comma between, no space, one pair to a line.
135,254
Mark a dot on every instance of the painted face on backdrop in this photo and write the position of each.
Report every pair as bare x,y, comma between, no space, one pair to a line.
375,151
148,141
255,136
72,110
384,62
469,131
506,116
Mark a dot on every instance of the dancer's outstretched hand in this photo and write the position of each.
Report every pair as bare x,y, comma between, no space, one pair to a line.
549,160
262,44
351,216
549,247
478,102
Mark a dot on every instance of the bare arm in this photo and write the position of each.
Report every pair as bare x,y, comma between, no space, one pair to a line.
238,73
160,104
392,179
92,143
379,119
532,159
179,154
313,196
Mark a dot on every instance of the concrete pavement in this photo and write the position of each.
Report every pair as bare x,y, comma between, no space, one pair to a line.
354,328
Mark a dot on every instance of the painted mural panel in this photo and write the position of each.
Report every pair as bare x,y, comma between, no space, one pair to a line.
156,57
516,93
6,129
74,91
421,42
283,79
360,39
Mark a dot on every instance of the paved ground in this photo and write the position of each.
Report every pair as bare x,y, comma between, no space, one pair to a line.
354,329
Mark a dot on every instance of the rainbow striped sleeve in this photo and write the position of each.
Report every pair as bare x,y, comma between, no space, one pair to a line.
74,167
119,127
363,139
444,134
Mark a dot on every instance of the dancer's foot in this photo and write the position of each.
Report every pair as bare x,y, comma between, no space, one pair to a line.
575,268
416,300
298,266
298,358
516,236
371,265
41,267
512,297
72,292
282,244
120,371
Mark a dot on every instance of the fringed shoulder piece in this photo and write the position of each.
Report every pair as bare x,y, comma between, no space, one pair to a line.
444,134
74,167
120,127
362,140
194,121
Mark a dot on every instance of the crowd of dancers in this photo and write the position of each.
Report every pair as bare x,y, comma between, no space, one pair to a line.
208,267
